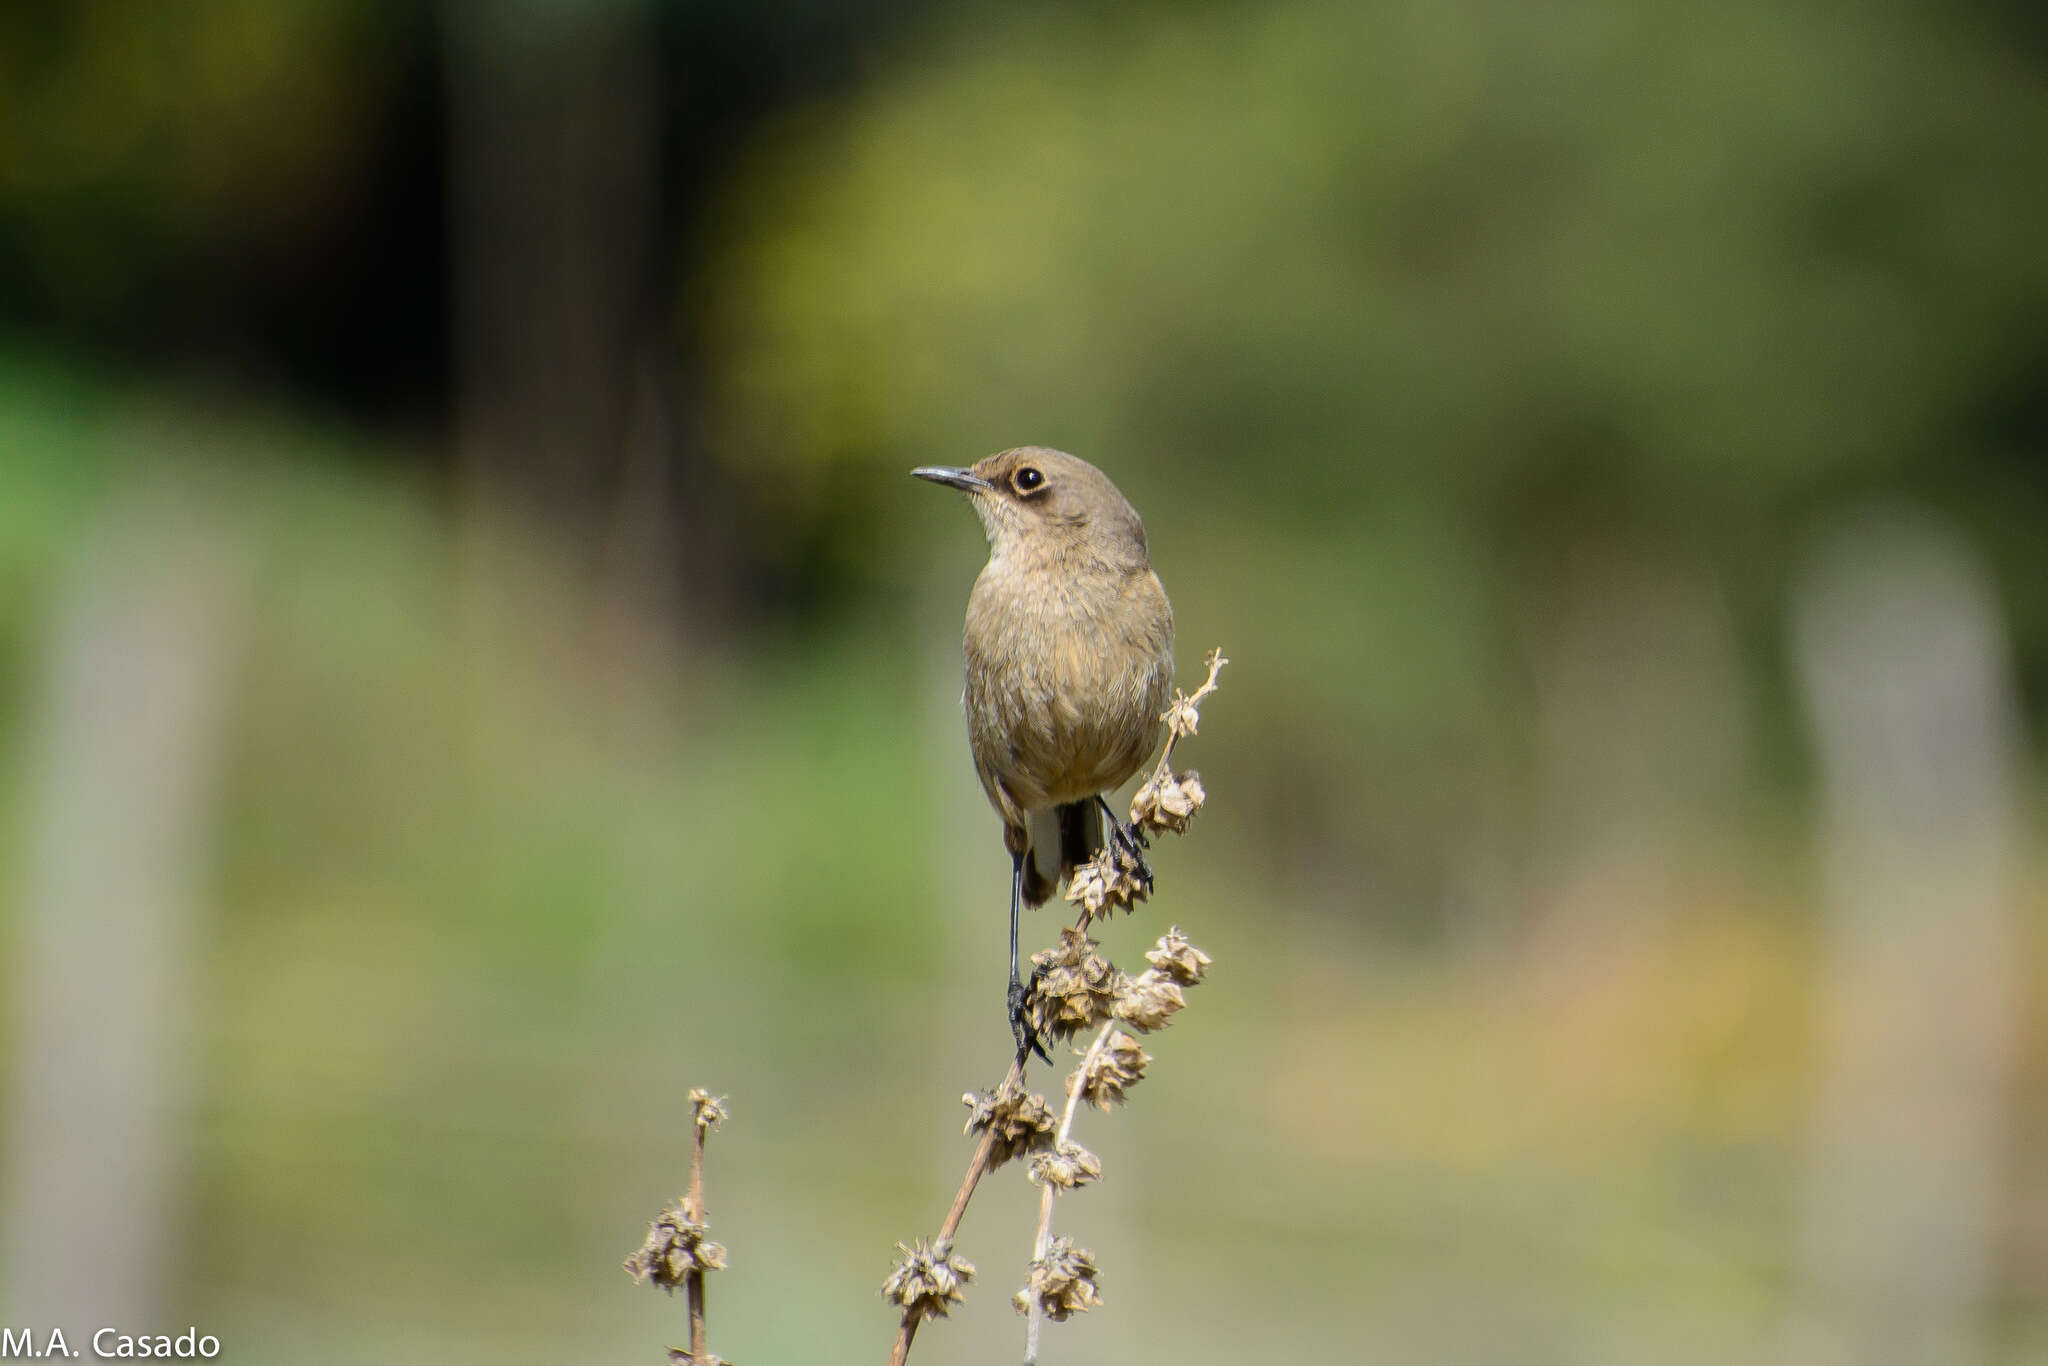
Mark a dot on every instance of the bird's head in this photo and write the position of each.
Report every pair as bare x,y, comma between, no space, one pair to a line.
1036,498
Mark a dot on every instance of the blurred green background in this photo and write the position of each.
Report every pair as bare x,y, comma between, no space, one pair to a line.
472,666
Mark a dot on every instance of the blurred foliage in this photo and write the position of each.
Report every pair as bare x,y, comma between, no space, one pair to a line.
1647,252
138,141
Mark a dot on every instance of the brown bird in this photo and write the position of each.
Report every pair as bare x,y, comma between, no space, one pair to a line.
1069,645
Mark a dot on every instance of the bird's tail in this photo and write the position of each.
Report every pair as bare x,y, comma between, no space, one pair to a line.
1062,838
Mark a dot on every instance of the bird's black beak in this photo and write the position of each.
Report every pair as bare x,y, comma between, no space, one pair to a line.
967,481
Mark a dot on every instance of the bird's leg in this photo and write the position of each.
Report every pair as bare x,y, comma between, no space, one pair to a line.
1020,1025
1128,839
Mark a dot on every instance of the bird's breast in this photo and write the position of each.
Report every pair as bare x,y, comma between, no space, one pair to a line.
1067,674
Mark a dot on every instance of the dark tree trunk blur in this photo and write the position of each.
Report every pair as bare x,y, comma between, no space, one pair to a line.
564,411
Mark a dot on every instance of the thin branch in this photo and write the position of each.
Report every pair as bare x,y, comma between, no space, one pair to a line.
677,1251
906,1333
1075,1085
976,1168
693,1206
1182,717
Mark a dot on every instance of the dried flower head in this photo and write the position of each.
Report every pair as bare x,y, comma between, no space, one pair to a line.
1018,1118
682,1356
927,1282
1109,881
1090,885
1175,957
1062,1282
1149,1000
1073,988
1112,1069
1066,1167
676,1246
1185,714
706,1110
1167,801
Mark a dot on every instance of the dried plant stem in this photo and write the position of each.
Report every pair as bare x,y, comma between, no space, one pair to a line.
678,1251
1179,716
906,1333
693,1206
976,1167
1075,1085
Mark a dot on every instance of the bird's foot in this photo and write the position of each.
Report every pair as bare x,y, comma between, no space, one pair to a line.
1127,844
1028,1041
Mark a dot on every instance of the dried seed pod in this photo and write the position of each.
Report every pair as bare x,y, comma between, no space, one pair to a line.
927,1281
1112,1070
1019,1120
676,1246
706,1110
1149,1001
1066,1167
1062,1282
1073,988
1168,802
1175,957
1107,882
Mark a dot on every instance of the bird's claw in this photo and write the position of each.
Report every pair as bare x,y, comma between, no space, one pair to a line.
1129,842
1028,1041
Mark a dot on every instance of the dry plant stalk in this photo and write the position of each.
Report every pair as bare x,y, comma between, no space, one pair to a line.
678,1250
1073,988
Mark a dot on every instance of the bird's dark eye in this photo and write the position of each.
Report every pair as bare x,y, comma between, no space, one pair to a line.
1026,479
